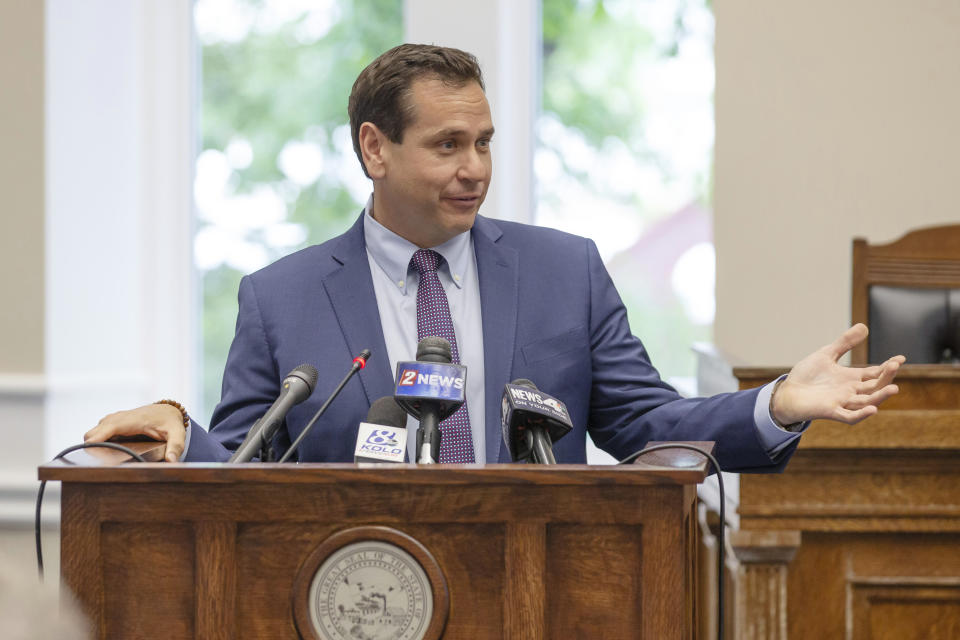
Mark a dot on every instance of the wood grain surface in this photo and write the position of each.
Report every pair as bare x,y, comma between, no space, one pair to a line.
214,551
875,511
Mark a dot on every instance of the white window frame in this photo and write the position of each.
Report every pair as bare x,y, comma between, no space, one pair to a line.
505,37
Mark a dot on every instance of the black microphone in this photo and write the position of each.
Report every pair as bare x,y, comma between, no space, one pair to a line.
532,421
430,389
386,412
358,363
296,387
383,437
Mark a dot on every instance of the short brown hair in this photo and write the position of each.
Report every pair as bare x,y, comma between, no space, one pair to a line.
380,92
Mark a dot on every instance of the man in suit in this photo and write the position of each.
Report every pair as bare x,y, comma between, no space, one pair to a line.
518,302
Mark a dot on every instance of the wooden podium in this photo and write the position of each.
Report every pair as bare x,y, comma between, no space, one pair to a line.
860,537
463,551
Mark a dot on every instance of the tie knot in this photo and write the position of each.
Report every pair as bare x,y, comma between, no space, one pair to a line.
426,260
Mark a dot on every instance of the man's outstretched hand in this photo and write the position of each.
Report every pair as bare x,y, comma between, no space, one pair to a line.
819,387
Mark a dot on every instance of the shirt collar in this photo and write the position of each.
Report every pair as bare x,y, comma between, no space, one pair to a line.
392,253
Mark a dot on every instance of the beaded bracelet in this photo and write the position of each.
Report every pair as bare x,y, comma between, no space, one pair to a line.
178,406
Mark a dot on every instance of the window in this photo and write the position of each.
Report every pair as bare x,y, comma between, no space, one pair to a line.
276,171
624,156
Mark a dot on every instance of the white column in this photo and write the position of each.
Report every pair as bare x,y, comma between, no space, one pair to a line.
119,148
505,37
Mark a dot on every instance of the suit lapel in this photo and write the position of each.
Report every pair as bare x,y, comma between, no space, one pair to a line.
350,289
498,270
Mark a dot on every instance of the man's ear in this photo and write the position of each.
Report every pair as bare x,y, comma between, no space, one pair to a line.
373,147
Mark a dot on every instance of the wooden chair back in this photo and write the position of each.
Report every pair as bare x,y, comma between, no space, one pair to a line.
924,258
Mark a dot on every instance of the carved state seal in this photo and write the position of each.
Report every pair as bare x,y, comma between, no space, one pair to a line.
370,590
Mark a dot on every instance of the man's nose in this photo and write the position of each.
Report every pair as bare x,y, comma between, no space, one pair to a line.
473,166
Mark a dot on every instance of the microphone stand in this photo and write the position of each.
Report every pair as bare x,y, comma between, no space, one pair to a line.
542,446
267,453
428,437
358,363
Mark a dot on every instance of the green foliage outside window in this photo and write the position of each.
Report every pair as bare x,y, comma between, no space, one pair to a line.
273,118
624,156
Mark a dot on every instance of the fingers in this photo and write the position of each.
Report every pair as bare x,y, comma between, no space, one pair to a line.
854,416
877,380
175,444
876,398
871,373
110,426
890,369
848,340
95,434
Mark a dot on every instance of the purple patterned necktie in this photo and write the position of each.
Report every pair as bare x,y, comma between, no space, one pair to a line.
433,319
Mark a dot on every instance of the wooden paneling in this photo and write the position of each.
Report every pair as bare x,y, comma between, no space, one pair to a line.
876,507
761,582
80,552
164,590
905,610
216,579
845,574
525,570
604,582
215,551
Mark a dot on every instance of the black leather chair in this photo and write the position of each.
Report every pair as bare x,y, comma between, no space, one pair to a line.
908,293
922,324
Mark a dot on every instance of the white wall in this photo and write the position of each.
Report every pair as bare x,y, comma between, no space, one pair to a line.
96,232
834,120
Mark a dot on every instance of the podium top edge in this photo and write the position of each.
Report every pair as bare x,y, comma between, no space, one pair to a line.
272,473
907,371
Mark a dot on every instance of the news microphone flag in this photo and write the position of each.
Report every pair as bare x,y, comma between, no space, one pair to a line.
526,414
376,443
383,437
443,385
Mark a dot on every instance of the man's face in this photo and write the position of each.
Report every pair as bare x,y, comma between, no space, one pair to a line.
431,185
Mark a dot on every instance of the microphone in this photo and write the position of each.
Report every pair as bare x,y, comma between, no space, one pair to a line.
374,442
532,421
296,387
358,363
430,390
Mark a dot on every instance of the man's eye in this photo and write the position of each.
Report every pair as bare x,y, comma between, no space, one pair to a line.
448,145
483,143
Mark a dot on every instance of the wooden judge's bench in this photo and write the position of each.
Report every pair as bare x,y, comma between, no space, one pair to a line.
859,539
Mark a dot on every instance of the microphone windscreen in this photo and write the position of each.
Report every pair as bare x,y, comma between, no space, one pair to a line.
386,412
523,382
434,349
308,373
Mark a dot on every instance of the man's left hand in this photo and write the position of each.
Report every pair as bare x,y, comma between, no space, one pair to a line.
819,387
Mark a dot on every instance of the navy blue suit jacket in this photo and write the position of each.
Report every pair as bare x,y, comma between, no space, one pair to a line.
550,314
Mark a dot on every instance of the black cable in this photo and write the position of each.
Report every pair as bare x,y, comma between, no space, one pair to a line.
43,485
303,434
723,519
